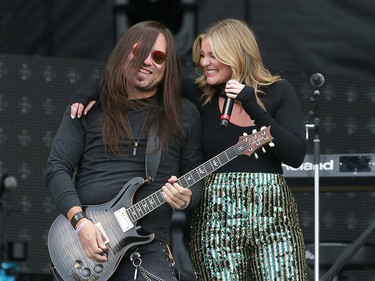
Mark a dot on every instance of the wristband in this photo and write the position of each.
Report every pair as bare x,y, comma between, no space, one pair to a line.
76,218
81,226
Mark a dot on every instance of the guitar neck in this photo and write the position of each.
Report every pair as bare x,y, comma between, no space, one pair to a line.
150,203
212,165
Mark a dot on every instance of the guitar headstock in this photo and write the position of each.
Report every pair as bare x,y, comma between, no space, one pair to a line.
256,140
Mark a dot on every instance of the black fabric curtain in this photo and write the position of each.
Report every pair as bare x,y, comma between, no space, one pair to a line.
334,37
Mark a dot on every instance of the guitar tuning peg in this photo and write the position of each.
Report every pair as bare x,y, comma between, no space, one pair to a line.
263,149
263,127
271,144
245,134
256,155
253,131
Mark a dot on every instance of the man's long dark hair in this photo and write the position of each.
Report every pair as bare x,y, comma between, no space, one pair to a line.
119,75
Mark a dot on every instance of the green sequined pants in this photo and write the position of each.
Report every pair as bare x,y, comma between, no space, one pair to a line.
247,225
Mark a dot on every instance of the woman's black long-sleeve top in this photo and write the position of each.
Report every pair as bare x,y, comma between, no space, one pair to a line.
283,114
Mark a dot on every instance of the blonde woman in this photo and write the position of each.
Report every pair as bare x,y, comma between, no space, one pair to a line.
247,223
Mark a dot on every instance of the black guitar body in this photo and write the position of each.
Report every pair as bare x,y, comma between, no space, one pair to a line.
65,249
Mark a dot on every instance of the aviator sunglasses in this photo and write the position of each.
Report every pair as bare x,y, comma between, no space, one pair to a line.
158,57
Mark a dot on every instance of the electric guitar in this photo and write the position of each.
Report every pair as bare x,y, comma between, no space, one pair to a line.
117,219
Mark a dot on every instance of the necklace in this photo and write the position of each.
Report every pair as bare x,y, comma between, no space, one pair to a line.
135,142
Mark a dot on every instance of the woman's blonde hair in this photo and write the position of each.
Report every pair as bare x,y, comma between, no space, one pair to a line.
233,44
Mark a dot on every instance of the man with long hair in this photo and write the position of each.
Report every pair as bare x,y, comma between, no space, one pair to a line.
94,156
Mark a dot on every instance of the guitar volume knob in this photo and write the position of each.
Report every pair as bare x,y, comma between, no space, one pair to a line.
98,268
86,272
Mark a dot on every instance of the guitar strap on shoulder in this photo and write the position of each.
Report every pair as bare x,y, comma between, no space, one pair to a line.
153,154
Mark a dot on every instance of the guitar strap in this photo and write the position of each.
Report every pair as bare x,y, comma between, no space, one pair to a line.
153,154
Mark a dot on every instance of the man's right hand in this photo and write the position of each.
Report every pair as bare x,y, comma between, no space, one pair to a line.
92,241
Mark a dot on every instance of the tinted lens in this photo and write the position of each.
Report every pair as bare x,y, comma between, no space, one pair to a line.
158,56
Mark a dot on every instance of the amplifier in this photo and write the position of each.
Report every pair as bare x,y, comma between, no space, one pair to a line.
335,165
334,170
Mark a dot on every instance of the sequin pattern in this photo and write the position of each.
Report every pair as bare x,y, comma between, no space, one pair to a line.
247,225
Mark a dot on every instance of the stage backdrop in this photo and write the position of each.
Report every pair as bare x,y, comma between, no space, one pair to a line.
35,91
332,37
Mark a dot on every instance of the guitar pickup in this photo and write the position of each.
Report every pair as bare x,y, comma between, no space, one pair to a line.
102,232
123,220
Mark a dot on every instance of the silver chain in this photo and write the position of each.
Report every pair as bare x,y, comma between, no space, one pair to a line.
145,275
135,258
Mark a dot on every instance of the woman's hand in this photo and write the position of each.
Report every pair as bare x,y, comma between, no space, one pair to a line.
233,88
246,95
77,109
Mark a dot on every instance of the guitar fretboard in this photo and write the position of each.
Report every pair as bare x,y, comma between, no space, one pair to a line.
212,165
150,203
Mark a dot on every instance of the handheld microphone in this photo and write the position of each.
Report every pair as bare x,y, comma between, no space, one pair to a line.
227,111
317,80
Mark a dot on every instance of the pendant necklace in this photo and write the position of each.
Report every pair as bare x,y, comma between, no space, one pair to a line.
135,142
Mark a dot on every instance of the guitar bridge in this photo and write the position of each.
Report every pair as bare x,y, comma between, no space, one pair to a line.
123,220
